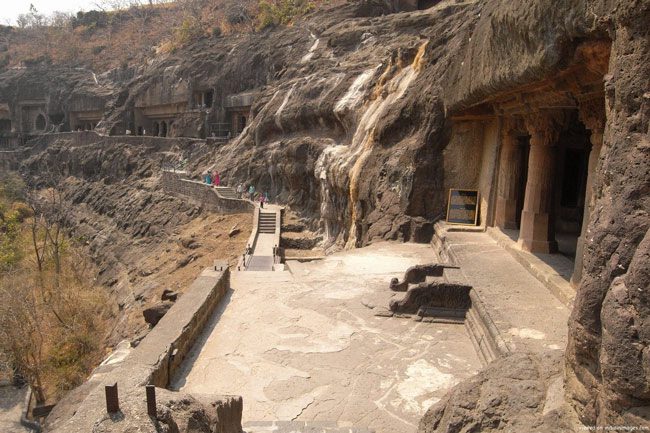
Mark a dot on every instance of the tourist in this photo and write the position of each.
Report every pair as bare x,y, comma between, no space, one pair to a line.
240,190
251,192
262,197
216,179
208,179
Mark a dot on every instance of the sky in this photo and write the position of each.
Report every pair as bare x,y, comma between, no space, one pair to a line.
10,9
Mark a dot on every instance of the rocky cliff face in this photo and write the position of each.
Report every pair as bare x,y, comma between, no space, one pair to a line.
143,240
352,118
608,356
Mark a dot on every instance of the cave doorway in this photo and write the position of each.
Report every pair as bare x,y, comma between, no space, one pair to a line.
5,125
570,189
208,98
40,122
242,123
163,129
140,130
156,129
524,152
426,4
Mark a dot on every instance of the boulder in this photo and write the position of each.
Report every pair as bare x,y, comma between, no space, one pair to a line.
152,315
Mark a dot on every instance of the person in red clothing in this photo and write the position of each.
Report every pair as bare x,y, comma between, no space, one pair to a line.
216,179
262,200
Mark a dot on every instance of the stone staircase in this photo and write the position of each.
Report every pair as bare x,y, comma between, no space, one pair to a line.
227,192
266,222
300,427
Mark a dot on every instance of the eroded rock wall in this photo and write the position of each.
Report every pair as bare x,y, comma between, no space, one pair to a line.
608,356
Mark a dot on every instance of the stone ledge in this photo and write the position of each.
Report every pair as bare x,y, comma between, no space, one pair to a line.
554,282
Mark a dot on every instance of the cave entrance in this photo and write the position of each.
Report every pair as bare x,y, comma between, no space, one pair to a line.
542,181
524,151
426,4
163,129
570,191
5,125
156,129
40,122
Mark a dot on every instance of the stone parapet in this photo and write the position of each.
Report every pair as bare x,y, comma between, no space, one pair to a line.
153,362
205,195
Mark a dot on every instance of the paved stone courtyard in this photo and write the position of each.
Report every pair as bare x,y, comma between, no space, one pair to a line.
305,345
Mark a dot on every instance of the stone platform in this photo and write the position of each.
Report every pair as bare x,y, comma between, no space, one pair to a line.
305,345
527,315
300,427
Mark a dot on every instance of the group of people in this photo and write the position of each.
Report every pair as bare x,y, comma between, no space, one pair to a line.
252,194
212,178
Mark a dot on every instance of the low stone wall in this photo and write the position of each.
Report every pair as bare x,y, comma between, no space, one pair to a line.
85,138
203,194
10,159
154,361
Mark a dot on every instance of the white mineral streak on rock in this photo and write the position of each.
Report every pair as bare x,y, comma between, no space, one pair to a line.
334,167
355,94
278,114
327,208
307,57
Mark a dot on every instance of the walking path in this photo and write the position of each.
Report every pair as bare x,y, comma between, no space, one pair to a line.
523,309
305,345
267,237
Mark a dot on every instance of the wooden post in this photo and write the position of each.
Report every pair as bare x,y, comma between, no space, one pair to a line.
112,401
151,400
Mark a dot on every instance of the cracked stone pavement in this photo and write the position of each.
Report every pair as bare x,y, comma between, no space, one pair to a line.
306,345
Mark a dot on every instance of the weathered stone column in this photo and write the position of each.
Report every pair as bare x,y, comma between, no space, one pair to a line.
508,180
593,116
537,233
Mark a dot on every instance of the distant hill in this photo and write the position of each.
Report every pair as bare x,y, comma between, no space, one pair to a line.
102,40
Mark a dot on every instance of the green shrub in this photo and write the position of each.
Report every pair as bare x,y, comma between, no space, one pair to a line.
189,30
281,12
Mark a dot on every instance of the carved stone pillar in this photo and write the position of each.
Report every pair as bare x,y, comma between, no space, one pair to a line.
510,172
592,115
537,233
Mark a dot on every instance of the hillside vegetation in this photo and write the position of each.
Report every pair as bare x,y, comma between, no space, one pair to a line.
54,319
129,32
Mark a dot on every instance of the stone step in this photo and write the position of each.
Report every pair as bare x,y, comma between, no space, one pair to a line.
300,427
227,192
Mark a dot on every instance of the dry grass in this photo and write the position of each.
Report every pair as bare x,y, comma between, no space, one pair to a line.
107,40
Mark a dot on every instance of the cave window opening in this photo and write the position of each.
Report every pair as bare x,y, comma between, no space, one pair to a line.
39,123
242,123
5,125
524,145
426,4
57,118
570,190
208,98
140,130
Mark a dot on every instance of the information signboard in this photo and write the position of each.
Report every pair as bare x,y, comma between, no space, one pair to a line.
462,207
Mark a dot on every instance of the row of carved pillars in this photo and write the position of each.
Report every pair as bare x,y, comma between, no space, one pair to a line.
537,232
